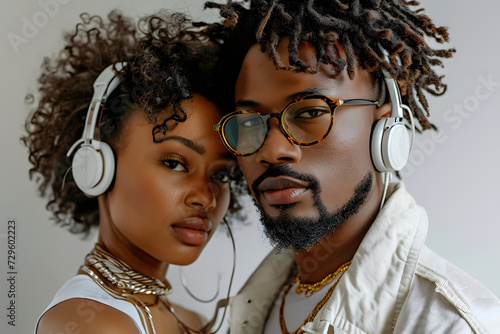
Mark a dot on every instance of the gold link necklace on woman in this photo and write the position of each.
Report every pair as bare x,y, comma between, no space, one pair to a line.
124,283
309,289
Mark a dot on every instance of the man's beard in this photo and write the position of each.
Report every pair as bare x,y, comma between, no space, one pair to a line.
301,233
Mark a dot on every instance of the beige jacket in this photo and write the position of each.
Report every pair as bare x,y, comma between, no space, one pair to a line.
395,284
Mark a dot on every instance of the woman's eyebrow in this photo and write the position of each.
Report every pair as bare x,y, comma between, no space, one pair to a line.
229,157
186,142
247,103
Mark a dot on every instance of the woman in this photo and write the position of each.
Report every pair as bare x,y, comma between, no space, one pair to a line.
147,168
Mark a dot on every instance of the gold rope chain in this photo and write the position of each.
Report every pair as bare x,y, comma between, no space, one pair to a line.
119,274
318,306
310,288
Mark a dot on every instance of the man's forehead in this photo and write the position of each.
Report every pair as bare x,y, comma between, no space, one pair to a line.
259,78
306,52
316,90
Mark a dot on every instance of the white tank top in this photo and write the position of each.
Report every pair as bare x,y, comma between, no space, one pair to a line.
82,286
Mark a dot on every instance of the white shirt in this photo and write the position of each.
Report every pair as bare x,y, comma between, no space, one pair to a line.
395,284
82,286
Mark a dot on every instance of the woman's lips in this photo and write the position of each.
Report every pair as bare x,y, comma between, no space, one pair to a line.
193,230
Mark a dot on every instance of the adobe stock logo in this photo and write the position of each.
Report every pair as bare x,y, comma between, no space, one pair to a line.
31,26
485,89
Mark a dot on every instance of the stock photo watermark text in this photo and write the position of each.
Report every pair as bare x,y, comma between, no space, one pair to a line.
454,116
8,241
32,24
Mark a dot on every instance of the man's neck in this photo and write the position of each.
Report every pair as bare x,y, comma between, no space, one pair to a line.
336,248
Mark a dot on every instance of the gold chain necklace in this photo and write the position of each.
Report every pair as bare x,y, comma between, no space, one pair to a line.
310,288
126,283
120,275
318,306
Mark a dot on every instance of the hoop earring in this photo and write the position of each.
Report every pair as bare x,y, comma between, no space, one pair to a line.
185,286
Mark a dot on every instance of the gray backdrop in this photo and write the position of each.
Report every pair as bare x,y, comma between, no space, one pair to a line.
454,173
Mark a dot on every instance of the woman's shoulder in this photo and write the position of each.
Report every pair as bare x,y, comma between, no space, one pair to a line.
81,306
78,315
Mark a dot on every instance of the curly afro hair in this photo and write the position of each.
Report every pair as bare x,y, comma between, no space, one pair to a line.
168,59
366,29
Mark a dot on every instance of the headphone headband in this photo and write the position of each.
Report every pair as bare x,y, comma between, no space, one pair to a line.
104,85
393,88
93,162
394,95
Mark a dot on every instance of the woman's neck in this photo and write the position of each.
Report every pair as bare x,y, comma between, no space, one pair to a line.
115,243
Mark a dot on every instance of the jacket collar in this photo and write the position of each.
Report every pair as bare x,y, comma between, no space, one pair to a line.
252,305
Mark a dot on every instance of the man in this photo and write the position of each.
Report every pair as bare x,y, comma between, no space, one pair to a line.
319,128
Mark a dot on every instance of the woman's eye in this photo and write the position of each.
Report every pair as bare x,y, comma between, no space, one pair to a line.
222,176
175,164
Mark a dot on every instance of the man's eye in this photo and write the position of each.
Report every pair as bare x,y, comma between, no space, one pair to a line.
250,122
310,113
175,164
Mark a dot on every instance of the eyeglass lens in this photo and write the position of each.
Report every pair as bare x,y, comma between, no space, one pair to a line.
305,121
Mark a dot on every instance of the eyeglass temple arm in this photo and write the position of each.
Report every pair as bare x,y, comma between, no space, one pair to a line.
360,102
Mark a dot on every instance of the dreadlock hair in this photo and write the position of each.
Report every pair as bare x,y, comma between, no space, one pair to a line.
168,60
366,29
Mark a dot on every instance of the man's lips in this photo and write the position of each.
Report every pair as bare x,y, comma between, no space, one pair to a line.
283,190
192,230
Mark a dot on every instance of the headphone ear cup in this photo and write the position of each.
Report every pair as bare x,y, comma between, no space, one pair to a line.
376,145
93,168
390,146
396,146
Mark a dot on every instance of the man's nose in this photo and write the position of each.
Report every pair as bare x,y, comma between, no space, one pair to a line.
277,149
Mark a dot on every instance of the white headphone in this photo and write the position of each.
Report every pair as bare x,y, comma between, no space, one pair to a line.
390,142
93,163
